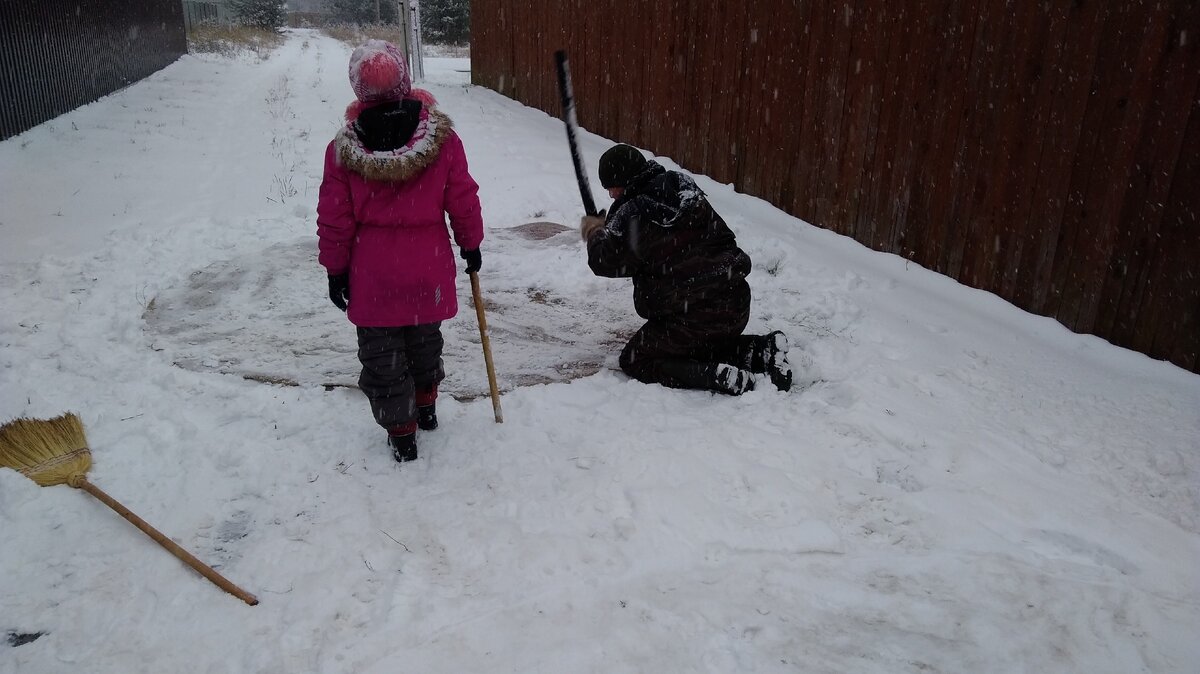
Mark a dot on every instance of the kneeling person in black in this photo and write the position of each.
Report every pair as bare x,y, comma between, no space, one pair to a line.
689,281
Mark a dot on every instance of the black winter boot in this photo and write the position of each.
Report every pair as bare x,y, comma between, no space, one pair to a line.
427,417
404,447
775,351
403,440
427,407
731,380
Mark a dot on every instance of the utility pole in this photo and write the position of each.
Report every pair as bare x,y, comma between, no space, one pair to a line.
402,27
419,49
409,18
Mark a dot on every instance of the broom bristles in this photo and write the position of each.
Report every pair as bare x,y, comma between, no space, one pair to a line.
47,451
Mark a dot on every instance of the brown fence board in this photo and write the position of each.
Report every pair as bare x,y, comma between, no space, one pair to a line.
876,160
860,111
794,30
812,130
1122,127
916,38
514,27
1150,185
1179,338
1018,137
723,157
835,56
521,34
1047,80
1081,220
778,105
656,89
933,189
481,37
702,83
963,175
1041,151
747,127
1172,296
754,131
684,86
1064,134
594,56
1157,143
1132,127
986,144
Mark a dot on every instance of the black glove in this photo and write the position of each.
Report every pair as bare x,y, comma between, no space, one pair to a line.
473,258
339,289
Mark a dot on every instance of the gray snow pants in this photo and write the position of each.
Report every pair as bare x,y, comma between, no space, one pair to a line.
396,363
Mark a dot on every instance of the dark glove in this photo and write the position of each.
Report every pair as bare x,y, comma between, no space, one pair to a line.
473,258
339,290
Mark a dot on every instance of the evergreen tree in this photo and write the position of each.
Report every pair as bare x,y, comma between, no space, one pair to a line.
268,14
446,21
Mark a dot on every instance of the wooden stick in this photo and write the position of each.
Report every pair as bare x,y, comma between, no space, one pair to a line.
172,547
487,347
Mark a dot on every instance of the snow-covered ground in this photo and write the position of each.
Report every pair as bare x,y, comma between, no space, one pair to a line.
962,487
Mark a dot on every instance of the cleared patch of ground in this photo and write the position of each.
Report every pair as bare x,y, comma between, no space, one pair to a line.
265,315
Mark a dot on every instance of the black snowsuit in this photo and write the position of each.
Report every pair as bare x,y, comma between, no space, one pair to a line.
689,280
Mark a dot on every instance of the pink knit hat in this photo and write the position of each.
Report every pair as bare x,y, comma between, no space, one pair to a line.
379,72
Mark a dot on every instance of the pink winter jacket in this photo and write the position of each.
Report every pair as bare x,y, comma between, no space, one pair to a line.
382,216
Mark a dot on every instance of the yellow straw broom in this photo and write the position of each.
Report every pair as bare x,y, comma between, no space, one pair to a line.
55,451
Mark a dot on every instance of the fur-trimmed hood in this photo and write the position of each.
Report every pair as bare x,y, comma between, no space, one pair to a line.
402,163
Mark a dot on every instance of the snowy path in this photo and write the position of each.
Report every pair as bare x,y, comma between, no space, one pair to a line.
965,487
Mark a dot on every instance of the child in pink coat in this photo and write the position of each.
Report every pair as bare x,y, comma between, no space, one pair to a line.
392,174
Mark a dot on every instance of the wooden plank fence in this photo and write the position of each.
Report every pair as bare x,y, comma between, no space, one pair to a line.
56,55
1048,152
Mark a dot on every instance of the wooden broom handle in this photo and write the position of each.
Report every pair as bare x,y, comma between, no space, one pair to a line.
204,569
487,347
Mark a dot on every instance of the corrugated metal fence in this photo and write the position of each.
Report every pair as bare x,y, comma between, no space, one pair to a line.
1048,152
56,55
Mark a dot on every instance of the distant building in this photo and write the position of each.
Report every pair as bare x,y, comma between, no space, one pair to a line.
307,6
308,12
195,11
